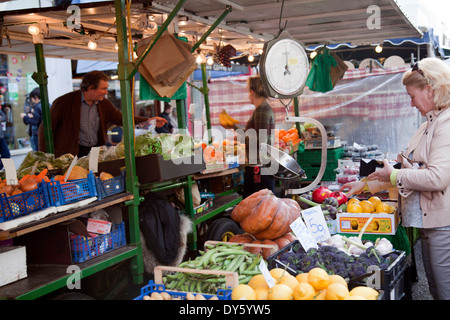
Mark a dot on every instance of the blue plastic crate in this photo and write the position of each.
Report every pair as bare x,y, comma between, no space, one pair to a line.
60,194
153,287
110,187
84,248
23,204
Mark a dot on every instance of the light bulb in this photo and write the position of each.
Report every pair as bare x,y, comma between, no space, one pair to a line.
199,59
378,49
92,45
251,58
210,61
313,54
34,30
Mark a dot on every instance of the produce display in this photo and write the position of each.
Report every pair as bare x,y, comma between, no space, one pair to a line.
225,257
226,120
277,244
287,140
266,216
336,261
315,284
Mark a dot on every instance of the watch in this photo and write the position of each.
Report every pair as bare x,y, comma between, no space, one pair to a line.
284,66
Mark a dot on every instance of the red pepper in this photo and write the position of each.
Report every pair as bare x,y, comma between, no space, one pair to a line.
340,196
320,194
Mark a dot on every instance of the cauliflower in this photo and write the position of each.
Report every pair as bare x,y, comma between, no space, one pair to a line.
384,246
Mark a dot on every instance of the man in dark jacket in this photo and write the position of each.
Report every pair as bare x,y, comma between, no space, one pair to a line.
4,150
167,128
33,117
80,119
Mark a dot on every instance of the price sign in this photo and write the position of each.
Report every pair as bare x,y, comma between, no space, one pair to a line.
266,273
315,221
303,234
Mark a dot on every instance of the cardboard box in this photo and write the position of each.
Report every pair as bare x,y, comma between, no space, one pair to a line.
99,226
153,167
13,264
333,142
382,223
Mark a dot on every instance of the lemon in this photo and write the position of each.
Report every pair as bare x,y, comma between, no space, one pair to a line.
258,281
335,278
302,277
318,278
320,295
289,280
367,206
261,293
280,292
304,291
243,292
337,291
365,292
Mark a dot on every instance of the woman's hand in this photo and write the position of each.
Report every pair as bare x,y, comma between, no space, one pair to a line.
355,187
159,121
383,175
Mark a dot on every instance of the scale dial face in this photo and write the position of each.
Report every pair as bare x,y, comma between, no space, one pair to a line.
286,68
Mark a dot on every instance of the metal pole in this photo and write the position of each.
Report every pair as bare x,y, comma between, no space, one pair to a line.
206,98
211,29
132,184
41,79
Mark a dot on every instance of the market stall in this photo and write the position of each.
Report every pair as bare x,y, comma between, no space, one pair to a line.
282,229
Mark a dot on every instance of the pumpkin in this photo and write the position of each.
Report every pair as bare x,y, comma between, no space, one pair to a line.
266,216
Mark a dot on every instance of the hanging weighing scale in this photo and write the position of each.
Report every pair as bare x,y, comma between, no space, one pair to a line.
284,68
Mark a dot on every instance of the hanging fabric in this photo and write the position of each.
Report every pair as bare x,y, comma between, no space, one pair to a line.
319,78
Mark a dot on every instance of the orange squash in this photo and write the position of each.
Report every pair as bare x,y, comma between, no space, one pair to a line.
264,215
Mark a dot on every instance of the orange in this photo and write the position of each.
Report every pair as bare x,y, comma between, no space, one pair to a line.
304,291
367,206
354,208
351,200
337,291
318,278
375,200
383,208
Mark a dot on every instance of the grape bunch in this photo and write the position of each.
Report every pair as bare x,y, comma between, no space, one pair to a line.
225,54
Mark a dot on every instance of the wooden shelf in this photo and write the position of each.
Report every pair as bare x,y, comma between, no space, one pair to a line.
64,216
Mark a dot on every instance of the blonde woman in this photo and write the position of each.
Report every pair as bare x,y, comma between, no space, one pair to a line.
423,182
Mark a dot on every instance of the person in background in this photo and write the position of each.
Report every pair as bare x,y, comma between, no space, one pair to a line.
167,128
33,117
4,150
80,119
262,121
423,182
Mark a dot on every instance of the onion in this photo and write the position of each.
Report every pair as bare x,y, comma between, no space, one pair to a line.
29,185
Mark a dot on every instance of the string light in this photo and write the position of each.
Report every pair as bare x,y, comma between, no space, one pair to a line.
92,44
378,49
251,58
34,30
210,61
313,54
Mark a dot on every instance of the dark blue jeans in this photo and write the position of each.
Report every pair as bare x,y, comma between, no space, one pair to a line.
4,151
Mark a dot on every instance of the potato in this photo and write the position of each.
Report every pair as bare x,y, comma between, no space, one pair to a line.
190,296
156,296
200,297
166,296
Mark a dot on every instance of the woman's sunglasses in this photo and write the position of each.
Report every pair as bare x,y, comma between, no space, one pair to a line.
416,68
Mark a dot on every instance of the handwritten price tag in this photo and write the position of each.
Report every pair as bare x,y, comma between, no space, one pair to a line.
303,234
315,221
266,273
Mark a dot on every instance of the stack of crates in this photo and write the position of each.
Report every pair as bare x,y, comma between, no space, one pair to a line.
310,161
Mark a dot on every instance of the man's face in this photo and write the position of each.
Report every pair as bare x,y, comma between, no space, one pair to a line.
99,93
